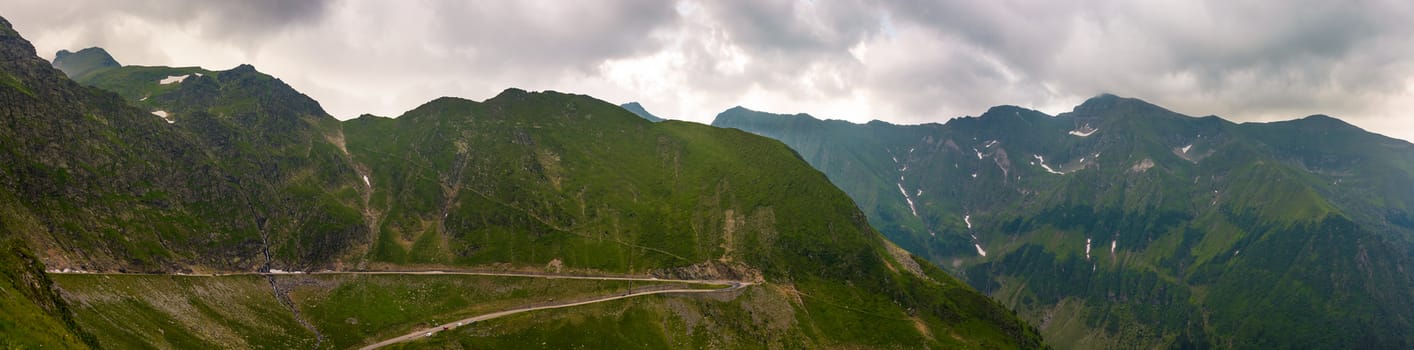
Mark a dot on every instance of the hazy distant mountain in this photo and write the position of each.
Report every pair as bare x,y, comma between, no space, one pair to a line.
1124,225
181,170
79,64
638,110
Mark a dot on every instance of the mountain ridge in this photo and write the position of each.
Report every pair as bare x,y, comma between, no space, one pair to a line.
1019,202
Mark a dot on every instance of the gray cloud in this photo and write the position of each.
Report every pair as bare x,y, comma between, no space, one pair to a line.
899,60
98,21
1240,59
551,33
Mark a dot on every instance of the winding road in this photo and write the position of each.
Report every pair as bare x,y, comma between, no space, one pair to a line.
731,286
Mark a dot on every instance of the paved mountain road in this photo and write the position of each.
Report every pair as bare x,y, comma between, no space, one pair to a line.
732,286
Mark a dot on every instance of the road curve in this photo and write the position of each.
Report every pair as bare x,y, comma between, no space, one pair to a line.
734,285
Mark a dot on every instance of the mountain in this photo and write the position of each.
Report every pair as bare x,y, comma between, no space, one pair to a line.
79,64
637,109
1124,225
178,171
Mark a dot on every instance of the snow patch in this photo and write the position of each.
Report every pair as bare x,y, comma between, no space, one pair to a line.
974,175
172,79
894,158
366,182
979,250
910,200
968,220
1087,249
163,114
1113,245
990,143
979,153
1083,133
1042,160
1186,148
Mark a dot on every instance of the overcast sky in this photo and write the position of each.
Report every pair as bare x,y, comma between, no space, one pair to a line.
900,61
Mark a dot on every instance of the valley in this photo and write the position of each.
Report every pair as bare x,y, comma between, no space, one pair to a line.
338,174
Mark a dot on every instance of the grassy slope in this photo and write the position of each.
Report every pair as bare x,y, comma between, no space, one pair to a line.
359,310
139,311
576,173
234,312
34,316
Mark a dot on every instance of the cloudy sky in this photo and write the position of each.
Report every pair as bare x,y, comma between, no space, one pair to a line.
900,61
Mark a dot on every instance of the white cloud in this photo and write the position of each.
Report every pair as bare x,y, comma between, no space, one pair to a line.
900,61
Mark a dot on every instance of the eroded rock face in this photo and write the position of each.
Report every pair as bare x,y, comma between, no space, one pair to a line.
712,270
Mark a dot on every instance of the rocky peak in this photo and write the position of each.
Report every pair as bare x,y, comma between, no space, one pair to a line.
78,64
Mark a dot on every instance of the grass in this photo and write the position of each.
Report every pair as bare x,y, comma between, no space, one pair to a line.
354,310
142,311
240,311
33,315
757,318
14,83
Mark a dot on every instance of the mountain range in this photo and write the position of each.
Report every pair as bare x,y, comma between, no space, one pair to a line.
127,192
1122,224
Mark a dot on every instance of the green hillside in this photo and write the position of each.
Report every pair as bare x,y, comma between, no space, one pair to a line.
1122,224
34,314
180,170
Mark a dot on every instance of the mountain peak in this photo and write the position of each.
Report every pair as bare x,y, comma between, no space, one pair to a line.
1312,122
1107,101
244,67
1320,122
738,109
638,109
1324,119
511,93
1111,106
78,65
91,51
